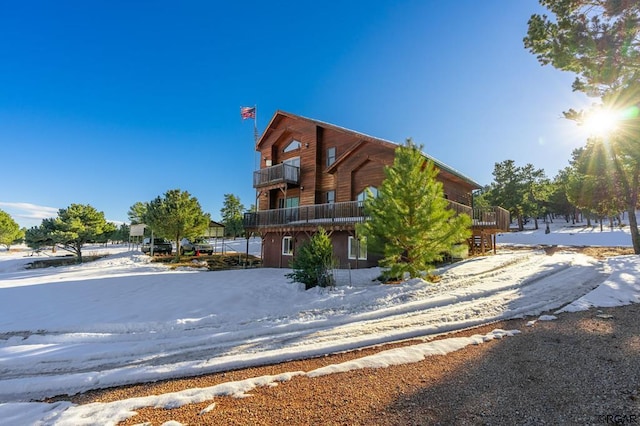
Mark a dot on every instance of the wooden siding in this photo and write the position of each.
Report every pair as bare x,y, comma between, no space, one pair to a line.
359,163
272,249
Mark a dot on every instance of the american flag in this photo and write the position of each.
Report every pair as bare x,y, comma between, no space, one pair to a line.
247,112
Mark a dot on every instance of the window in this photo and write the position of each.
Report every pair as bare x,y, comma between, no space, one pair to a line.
357,248
363,195
292,202
289,202
331,197
293,145
291,213
331,156
287,246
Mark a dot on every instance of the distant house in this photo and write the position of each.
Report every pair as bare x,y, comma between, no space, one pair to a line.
315,174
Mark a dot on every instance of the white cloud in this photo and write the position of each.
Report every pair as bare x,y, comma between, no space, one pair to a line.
27,214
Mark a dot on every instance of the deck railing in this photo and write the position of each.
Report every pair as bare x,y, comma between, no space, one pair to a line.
352,212
280,173
491,217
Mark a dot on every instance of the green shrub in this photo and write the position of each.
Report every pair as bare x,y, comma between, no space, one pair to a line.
314,263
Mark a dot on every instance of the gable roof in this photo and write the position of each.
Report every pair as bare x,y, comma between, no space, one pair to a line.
279,115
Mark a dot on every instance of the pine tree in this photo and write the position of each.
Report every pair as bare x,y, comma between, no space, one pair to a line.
598,41
314,261
508,190
177,215
10,232
137,212
231,213
409,222
75,226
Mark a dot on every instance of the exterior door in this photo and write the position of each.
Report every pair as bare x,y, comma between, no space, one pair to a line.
291,205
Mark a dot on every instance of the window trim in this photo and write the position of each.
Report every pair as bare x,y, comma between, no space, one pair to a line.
332,191
289,245
331,156
361,246
292,146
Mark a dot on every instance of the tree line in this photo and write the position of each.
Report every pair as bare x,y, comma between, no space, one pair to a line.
174,215
597,40
586,190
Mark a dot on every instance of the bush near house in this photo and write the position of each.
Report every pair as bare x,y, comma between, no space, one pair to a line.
314,263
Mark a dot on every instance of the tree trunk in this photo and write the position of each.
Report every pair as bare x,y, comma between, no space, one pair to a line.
633,227
78,248
631,188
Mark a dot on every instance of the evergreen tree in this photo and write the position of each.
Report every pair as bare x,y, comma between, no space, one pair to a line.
314,261
480,198
537,190
115,233
10,232
137,212
108,233
558,199
524,191
122,233
176,215
232,214
598,41
38,237
75,226
409,222
593,185
508,190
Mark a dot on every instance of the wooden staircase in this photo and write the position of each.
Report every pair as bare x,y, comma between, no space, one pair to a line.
482,241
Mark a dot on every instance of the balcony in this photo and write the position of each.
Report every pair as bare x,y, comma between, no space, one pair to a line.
347,214
278,174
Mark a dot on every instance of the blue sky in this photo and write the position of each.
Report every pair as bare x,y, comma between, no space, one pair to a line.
109,103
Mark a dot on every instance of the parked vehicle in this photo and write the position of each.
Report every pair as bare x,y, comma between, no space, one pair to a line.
198,245
160,246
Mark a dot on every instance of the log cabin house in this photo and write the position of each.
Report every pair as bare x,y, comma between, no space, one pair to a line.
315,174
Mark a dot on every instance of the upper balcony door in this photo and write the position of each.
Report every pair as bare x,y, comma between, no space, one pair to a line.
288,202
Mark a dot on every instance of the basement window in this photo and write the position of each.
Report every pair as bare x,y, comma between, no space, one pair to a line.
357,248
287,246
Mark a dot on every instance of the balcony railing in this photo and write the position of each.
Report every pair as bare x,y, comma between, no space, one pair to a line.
352,212
280,173
316,214
491,217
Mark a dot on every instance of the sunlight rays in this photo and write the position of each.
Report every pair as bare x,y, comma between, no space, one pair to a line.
601,122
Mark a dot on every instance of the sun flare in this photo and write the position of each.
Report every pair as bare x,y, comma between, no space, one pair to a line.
601,122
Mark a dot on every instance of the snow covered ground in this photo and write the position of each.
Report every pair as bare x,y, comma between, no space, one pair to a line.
123,319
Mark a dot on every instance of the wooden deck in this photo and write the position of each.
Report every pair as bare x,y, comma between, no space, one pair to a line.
344,216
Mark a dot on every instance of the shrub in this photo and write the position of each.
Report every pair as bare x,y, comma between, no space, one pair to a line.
314,262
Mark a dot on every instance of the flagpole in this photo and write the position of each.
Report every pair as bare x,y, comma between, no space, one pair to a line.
255,124
256,152
247,112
